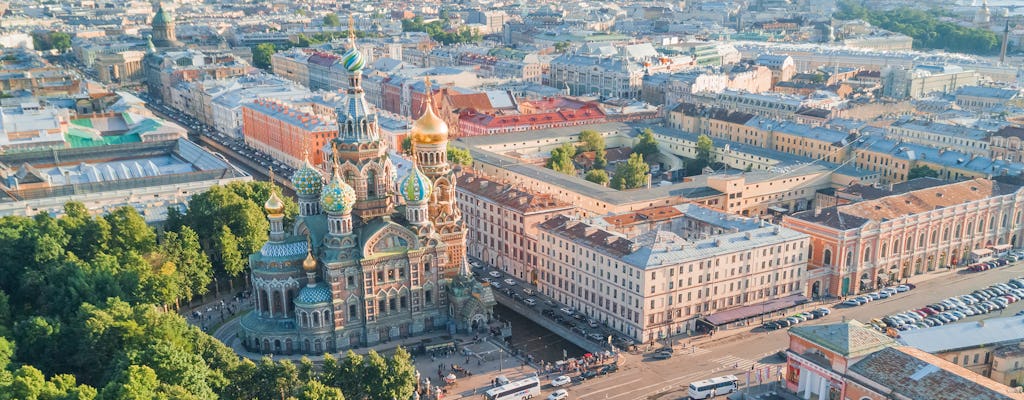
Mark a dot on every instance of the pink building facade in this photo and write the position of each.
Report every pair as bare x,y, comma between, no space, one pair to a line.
857,247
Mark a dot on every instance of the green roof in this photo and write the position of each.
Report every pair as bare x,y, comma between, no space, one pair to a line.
78,138
162,17
850,339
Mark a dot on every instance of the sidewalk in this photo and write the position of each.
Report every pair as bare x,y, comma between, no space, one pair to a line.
722,336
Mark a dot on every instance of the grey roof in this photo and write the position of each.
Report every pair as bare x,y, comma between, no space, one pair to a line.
910,373
665,248
966,335
984,91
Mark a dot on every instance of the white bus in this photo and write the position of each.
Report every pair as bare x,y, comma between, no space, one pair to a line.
713,387
518,390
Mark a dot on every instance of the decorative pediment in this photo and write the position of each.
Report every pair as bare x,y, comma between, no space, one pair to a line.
391,238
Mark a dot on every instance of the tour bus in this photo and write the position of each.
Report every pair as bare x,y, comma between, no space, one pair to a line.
518,390
713,387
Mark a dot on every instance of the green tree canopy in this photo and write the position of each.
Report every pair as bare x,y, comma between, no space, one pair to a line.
332,20
459,156
705,147
598,176
561,159
922,171
631,174
646,146
261,55
930,29
592,141
436,30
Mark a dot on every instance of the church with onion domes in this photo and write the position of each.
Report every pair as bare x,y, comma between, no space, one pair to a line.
370,257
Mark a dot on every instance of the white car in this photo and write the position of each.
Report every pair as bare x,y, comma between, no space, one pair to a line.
495,274
561,381
559,395
510,282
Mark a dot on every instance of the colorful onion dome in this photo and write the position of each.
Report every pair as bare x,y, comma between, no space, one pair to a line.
353,60
338,197
274,205
416,187
307,180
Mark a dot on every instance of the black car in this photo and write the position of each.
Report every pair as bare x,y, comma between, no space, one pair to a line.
662,355
607,369
666,350
784,323
771,325
586,375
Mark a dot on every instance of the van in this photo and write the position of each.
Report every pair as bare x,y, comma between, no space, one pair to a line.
502,380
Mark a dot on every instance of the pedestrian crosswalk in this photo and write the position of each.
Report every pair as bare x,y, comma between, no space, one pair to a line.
738,363
694,350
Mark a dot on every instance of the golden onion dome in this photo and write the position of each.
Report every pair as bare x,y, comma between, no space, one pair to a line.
309,264
274,205
430,128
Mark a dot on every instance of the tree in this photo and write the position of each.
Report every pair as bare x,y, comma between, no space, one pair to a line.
401,375
407,144
631,174
190,263
227,246
87,235
561,47
261,55
314,390
351,376
922,171
930,29
51,40
592,141
647,146
598,176
332,20
129,232
704,148
600,159
459,156
135,383
61,41
561,159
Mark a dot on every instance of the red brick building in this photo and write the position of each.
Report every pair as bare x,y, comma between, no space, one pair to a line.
534,115
283,132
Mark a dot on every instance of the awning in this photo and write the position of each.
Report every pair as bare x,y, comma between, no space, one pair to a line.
1002,247
740,313
866,281
778,209
981,252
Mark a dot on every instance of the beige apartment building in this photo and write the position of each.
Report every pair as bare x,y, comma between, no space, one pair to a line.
502,223
662,281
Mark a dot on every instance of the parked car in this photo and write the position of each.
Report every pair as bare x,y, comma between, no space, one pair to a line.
607,369
661,355
559,394
902,288
586,375
530,301
495,274
510,282
561,381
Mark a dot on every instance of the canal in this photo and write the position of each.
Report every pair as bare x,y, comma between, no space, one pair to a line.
535,339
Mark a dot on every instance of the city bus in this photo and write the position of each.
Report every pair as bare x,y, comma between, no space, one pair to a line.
518,390
713,387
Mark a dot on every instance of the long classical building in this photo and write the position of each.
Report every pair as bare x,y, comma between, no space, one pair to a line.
657,272
284,132
368,259
855,247
502,223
